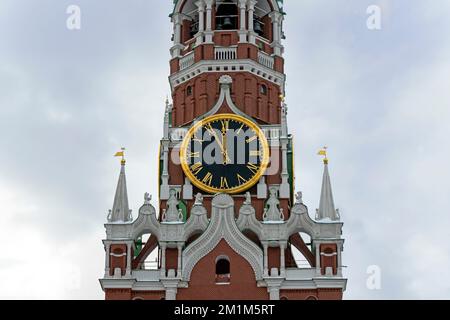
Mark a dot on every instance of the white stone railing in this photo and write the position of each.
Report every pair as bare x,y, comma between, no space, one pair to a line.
187,61
225,53
300,274
146,275
266,60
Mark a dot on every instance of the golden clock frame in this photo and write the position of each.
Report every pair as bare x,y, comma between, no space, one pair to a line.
225,116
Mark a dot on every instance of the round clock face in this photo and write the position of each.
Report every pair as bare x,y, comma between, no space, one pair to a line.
224,153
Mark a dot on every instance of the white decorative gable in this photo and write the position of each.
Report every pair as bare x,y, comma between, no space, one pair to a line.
222,226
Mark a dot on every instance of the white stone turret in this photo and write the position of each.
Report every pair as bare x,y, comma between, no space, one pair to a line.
327,210
120,211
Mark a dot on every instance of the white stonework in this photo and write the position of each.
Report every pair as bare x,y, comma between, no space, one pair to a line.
222,226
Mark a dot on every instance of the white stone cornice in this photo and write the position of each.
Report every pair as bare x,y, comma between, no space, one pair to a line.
228,66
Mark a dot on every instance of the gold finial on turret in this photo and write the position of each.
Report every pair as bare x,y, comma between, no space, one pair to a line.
324,152
121,154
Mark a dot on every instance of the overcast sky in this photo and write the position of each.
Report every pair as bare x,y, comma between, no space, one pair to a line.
70,99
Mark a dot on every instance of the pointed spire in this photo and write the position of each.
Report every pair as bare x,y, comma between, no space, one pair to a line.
327,210
120,211
167,112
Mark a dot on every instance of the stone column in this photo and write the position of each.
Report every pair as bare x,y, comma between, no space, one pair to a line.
262,188
339,259
201,21
273,287
243,19
208,32
107,259
177,46
180,252
171,294
164,192
276,25
282,259
274,293
251,12
128,269
188,193
318,271
285,191
266,260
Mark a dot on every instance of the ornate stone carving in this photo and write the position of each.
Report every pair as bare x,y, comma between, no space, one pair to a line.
226,79
172,213
222,226
248,199
273,213
299,198
147,198
198,200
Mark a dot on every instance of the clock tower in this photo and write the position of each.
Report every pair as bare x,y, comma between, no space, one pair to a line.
229,224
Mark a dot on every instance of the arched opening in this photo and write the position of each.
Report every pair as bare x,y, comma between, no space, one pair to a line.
302,251
311,298
262,24
189,91
223,271
263,89
190,22
226,15
145,251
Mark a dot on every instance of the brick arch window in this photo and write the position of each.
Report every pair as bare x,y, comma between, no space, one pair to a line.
311,298
263,89
284,298
223,270
189,91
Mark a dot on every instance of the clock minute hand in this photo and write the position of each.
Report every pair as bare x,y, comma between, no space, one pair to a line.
226,159
213,133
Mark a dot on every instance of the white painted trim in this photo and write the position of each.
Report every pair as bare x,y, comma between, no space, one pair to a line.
227,66
118,255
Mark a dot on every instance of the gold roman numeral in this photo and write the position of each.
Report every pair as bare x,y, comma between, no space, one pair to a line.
210,129
224,183
225,125
253,168
194,155
196,168
240,129
250,140
208,179
196,139
256,153
241,179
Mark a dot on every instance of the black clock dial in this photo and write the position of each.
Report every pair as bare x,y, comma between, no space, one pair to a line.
225,154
